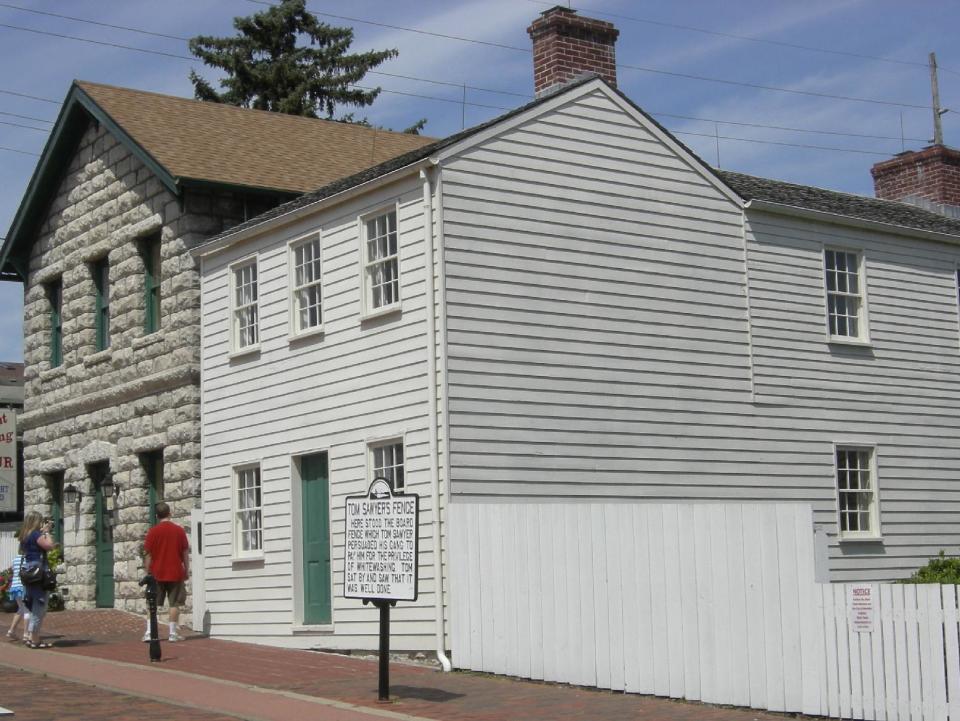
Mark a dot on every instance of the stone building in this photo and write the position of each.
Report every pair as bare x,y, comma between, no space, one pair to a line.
128,182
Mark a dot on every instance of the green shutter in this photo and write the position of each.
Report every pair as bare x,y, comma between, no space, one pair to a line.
56,506
101,279
55,294
315,511
150,251
103,538
153,466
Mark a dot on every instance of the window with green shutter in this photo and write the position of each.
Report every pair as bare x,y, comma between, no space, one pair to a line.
150,252
55,484
101,281
153,469
55,299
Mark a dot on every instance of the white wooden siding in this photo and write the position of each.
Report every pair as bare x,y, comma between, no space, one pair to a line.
900,393
704,602
599,341
330,393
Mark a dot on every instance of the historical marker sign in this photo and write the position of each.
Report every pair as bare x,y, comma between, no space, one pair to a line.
381,557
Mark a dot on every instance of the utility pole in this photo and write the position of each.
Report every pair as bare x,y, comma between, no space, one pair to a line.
937,112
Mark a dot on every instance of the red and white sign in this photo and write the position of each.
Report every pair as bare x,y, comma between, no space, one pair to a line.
862,607
8,461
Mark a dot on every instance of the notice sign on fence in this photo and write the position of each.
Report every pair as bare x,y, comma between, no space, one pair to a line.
8,461
381,545
862,607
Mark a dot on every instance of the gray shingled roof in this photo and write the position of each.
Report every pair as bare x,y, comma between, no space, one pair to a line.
750,187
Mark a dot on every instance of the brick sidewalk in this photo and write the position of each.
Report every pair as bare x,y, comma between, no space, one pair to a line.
415,690
33,697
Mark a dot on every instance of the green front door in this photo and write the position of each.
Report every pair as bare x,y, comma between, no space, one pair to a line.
103,534
315,511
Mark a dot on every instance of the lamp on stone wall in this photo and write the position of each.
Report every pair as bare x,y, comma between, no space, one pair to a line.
71,495
109,488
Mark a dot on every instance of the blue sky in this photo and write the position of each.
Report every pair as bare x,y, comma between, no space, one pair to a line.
668,44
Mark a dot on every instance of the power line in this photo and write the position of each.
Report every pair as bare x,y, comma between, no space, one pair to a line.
752,39
788,145
406,29
538,2
482,89
22,152
28,127
528,97
96,42
453,84
93,22
756,86
789,129
431,97
26,117
31,97
677,132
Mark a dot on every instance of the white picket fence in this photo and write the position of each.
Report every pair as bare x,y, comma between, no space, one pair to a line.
9,546
709,602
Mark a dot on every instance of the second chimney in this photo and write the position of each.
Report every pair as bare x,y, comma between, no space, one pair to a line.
567,46
929,178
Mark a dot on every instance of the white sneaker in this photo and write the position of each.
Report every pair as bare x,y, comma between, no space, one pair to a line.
146,637
174,637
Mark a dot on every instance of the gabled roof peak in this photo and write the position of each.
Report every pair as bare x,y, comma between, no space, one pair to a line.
184,141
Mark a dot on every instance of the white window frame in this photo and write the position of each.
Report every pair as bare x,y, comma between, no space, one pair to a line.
235,310
862,317
373,445
239,553
873,511
292,247
367,308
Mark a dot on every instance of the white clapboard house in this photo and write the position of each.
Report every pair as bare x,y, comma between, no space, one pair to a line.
566,308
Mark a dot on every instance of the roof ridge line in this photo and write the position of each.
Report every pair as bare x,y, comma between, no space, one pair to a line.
237,108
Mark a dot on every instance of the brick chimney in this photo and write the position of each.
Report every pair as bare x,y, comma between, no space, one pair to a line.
567,46
929,178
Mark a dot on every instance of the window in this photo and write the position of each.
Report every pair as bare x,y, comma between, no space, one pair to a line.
245,323
856,492
55,301
152,464
845,306
381,262
305,299
247,533
150,253
101,282
386,460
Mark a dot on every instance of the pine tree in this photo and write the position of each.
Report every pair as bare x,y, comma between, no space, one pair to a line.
267,70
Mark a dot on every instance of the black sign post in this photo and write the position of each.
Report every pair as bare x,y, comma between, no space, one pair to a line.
383,686
381,559
151,593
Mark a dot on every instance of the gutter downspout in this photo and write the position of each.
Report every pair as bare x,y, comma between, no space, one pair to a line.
434,428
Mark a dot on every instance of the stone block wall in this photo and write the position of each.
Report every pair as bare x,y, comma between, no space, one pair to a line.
142,393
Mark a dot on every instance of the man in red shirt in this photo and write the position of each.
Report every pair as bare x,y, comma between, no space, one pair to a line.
168,560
